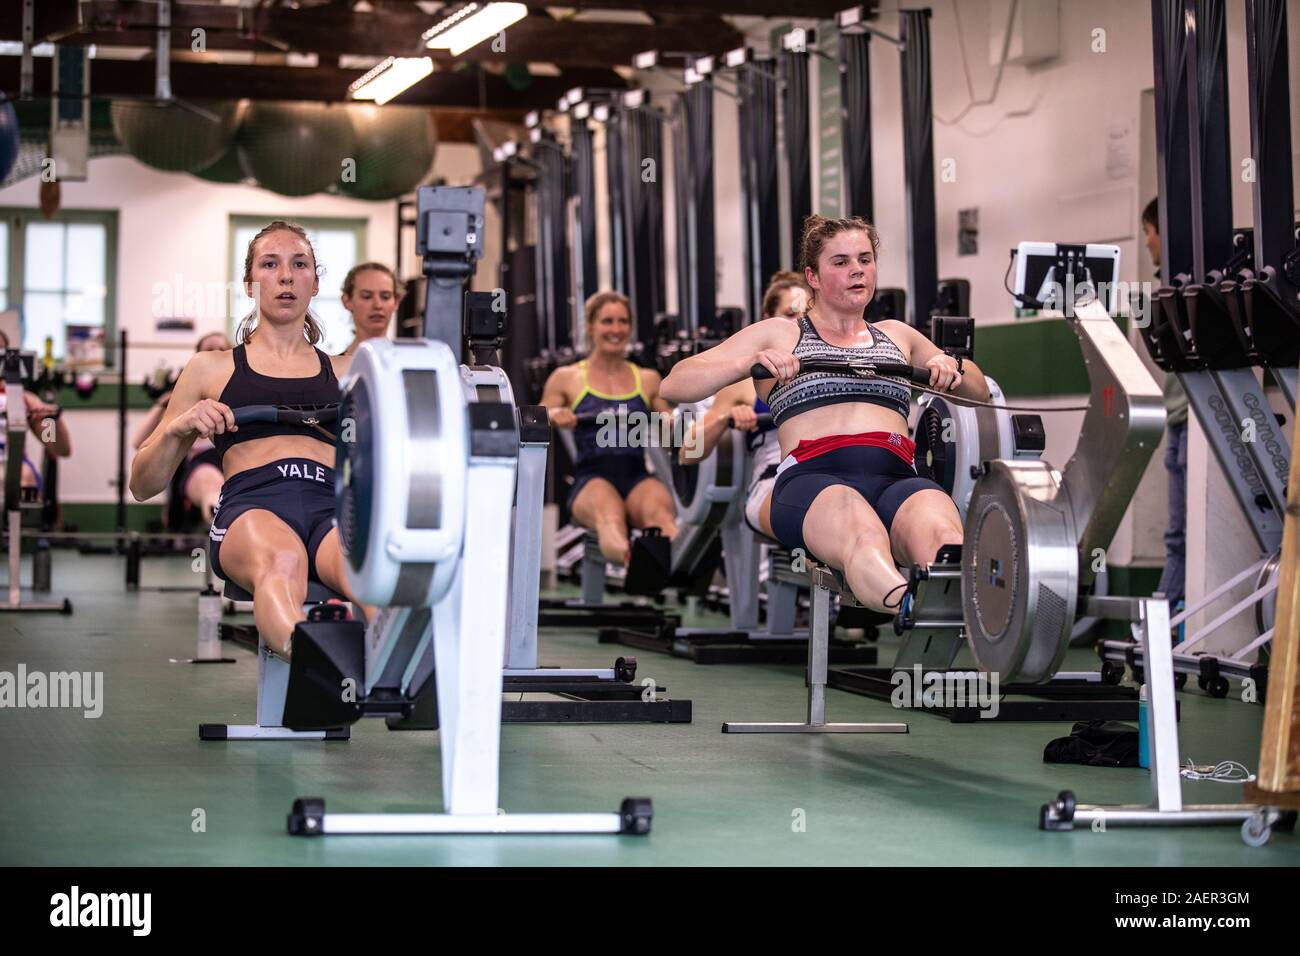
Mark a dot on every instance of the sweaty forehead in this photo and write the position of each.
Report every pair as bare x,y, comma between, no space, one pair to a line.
283,244
851,243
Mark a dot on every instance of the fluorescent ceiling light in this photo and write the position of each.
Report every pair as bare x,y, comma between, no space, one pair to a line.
390,78
647,60
472,24
849,18
15,48
353,61
602,16
139,53
797,40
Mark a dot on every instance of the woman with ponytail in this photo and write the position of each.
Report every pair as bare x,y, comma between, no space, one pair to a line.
846,491
274,524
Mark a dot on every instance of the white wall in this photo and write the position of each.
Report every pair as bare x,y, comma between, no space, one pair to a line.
173,224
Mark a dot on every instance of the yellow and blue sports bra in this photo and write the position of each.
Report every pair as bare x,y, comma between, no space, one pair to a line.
591,403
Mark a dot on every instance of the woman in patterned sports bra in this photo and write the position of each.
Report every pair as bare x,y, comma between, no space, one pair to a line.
612,489
274,523
846,491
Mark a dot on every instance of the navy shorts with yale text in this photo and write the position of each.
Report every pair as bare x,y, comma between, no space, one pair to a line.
298,491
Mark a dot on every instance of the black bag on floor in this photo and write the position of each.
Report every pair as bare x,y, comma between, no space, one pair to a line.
1097,743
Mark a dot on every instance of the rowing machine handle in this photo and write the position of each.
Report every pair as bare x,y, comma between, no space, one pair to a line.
918,376
256,413
764,421
604,415
287,416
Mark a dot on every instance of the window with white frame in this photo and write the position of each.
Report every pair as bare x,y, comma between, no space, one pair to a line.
59,274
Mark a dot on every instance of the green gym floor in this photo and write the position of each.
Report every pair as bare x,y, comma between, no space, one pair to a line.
123,789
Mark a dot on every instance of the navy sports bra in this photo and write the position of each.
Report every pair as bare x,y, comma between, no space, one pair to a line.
809,390
248,387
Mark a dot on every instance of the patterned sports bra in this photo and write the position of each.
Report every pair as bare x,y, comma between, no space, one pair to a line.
809,390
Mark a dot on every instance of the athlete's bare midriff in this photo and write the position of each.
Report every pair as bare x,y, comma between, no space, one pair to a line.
849,418
263,451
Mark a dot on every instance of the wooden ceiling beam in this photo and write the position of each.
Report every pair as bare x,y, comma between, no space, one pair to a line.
779,9
467,88
387,31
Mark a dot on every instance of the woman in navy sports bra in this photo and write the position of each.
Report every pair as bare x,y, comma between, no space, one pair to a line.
846,491
612,488
274,523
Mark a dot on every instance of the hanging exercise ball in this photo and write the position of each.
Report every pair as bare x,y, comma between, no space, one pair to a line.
175,137
9,142
395,146
226,168
295,149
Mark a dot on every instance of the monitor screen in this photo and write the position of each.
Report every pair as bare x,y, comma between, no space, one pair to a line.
1054,274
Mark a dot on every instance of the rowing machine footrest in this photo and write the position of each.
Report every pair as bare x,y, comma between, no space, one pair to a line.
649,570
326,675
